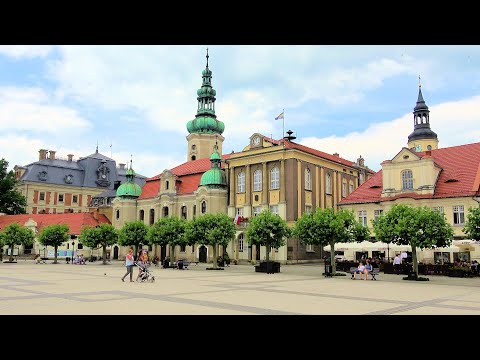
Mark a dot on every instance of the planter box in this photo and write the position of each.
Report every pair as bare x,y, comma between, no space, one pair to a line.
270,268
456,273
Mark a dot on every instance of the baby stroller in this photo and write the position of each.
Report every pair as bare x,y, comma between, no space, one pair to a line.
145,274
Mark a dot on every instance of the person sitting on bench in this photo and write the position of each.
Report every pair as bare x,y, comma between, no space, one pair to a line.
360,270
368,269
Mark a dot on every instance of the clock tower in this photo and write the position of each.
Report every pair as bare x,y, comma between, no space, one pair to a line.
205,130
422,138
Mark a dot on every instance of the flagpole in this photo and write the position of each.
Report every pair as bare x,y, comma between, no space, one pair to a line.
283,133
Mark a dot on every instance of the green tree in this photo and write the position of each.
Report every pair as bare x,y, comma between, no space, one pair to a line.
11,200
15,234
54,235
472,226
101,236
133,233
418,227
269,230
327,227
210,229
167,230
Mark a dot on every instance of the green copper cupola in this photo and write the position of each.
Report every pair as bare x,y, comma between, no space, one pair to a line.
215,177
129,189
205,121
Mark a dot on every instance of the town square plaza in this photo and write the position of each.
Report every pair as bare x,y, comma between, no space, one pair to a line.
66,289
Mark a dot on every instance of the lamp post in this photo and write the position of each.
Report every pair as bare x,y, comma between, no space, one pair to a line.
73,250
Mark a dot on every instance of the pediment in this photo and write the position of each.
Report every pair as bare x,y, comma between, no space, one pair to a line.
405,155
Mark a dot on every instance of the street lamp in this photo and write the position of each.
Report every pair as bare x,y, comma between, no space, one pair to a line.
73,250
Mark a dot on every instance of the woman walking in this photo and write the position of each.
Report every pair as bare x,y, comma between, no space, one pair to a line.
129,264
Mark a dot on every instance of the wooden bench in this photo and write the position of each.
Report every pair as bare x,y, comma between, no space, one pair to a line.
373,273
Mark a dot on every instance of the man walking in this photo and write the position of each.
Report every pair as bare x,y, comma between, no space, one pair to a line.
129,264
396,264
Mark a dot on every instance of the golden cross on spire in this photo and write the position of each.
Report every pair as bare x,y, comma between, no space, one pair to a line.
419,83
207,57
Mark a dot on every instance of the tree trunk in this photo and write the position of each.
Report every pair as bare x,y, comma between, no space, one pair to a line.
268,253
11,253
172,253
136,250
414,259
332,256
104,255
214,256
55,261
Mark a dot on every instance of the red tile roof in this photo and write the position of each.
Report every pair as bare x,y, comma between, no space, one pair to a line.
188,175
459,163
74,220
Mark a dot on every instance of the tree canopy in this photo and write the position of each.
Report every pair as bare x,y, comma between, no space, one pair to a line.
269,230
54,235
168,230
472,225
12,202
101,236
327,227
15,234
419,227
133,233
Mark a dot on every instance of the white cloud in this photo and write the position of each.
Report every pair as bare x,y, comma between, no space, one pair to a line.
382,141
25,51
29,109
18,149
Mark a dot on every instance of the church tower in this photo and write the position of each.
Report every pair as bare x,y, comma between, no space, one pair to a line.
422,138
205,131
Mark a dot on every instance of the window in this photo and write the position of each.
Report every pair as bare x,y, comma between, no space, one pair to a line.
194,157
308,209
194,147
308,183
142,215
194,211
407,180
60,197
118,214
240,242
241,182
361,177
79,246
275,178
184,212
204,207
438,208
182,248
257,210
240,211
328,183
344,189
274,209
458,215
310,248
362,217
152,216
165,211
351,188
257,180
42,196
75,199
377,214
167,184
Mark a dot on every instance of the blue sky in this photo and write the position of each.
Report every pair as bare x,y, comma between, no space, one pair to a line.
354,100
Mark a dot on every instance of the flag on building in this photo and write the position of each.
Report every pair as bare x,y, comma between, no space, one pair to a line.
279,117
236,221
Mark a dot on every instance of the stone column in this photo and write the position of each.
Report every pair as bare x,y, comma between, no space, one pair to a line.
282,181
232,187
264,184
248,190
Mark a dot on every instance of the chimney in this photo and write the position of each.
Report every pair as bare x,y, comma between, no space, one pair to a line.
70,157
428,153
95,214
52,155
336,154
122,166
42,154
116,183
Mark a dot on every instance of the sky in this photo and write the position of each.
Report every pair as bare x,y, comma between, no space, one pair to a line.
135,101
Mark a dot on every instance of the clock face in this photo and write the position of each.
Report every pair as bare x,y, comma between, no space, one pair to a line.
104,176
256,140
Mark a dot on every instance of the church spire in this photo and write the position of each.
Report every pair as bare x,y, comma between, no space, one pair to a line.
422,138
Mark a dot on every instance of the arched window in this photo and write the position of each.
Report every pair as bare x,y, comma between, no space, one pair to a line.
184,212
257,180
193,157
351,187
204,207
194,147
142,215
152,216
275,178
165,211
344,189
407,180
241,182
240,243
118,214
194,211
328,183
167,184
308,182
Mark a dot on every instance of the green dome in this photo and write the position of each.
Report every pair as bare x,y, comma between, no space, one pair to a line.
129,189
215,156
130,172
214,177
205,124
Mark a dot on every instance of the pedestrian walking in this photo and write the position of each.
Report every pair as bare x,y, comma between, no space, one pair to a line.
129,262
